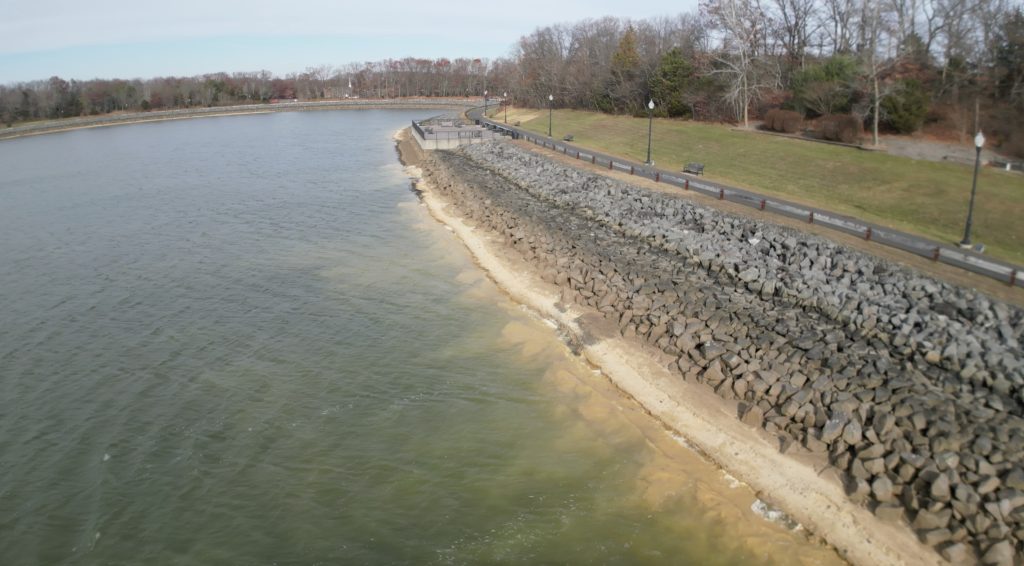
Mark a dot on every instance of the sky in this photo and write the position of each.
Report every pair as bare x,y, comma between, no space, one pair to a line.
108,39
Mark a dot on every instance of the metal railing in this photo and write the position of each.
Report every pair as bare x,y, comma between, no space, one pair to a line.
1004,272
445,136
418,129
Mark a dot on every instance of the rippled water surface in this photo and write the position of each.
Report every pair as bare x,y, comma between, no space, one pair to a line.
241,340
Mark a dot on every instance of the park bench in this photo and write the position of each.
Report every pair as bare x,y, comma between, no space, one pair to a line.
1004,163
568,138
694,168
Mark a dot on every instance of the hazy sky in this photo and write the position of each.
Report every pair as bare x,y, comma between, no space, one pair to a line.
84,40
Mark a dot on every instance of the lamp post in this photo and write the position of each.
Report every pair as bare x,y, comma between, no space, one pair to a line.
504,101
650,127
979,141
551,101
485,104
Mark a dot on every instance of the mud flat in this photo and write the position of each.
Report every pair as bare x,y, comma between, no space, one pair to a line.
878,407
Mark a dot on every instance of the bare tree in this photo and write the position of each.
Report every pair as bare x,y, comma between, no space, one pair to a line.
795,27
873,28
839,24
743,25
905,13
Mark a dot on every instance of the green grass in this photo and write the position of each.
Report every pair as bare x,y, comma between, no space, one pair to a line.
921,197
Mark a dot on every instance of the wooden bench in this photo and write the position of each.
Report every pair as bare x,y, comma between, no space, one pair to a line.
694,168
568,138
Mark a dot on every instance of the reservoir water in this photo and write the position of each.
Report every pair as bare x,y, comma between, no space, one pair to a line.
242,340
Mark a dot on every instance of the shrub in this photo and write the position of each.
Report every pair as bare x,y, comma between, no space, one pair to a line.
842,128
826,88
786,121
1004,125
904,110
789,121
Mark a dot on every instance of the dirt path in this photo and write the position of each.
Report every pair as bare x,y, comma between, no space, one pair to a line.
929,150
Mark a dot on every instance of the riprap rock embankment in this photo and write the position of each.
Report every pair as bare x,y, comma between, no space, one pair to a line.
913,389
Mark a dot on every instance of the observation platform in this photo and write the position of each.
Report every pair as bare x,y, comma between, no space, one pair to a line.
449,133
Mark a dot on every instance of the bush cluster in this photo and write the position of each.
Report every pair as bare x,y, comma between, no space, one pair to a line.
842,128
905,109
780,120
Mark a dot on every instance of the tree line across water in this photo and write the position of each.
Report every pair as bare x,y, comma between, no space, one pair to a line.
953,66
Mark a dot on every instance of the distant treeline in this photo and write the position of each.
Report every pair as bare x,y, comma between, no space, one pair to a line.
895,65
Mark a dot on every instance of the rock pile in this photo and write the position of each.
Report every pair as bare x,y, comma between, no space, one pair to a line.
914,389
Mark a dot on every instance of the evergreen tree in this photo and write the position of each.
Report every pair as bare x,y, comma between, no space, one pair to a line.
625,67
827,88
1009,60
905,109
672,84
626,59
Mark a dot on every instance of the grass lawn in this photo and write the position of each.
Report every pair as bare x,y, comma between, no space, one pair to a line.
922,197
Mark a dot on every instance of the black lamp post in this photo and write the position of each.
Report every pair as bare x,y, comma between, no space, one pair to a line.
650,127
485,104
551,101
979,141
504,101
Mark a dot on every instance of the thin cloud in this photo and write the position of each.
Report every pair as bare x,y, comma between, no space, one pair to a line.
184,37
29,27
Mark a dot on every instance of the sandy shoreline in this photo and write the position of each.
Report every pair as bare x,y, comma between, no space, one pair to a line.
799,485
44,130
53,127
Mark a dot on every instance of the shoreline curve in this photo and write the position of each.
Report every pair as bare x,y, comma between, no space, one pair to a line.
88,122
800,485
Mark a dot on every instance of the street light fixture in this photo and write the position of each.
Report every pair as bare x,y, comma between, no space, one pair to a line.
650,127
485,104
551,101
979,141
504,102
